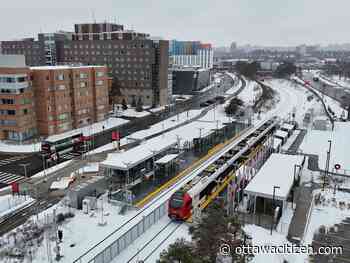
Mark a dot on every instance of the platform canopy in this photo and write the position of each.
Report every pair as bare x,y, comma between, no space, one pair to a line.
288,127
167,158
277,171
129,159
282,134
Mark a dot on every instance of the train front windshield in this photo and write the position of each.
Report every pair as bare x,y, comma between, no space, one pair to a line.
176,203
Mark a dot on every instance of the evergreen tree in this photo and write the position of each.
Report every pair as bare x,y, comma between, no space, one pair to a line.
233,106
180,251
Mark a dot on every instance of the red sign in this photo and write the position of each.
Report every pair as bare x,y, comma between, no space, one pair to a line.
337,166
15,187
115,136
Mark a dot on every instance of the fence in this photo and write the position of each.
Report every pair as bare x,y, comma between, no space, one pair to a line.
113,250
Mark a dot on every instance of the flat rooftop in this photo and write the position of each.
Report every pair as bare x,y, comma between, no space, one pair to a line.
277,171
62,67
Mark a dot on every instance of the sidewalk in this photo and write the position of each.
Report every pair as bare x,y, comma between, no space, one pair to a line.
299,219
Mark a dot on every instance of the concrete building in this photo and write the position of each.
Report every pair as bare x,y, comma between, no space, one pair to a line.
189,80
50,99
17,107
137,64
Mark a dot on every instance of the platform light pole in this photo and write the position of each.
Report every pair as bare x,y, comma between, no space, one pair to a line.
24,165
273,206
327,164
294,180
200,132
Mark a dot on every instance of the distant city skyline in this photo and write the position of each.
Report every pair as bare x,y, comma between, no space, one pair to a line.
255,22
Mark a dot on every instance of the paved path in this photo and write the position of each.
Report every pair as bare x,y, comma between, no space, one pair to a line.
298,223
296,144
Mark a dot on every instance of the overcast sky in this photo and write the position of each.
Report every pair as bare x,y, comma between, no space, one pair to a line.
260,22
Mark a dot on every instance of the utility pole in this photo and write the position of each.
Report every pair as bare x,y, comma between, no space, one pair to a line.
24,165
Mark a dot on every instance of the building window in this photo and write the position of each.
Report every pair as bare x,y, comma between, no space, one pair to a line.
83,75
99,82
100,74
60,77
82,84
61,87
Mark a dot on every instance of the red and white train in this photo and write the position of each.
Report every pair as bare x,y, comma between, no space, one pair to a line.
196,191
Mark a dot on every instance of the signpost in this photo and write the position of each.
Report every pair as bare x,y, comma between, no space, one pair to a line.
337,167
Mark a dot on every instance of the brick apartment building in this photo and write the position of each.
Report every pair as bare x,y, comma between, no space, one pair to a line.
50,99
137,65
17,108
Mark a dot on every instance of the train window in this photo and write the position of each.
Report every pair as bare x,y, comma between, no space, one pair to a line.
176,203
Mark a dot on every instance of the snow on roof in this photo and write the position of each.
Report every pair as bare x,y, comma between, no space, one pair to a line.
277,171
64,67
280,133
287,126
167,158
138,154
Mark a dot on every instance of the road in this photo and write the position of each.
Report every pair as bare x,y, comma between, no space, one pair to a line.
337,93
11,165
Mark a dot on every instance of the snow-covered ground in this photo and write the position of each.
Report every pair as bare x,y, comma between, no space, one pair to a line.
262,237
250,93
10,203
343,82
331,103
52,169
316,142
131,112
11,147
166,124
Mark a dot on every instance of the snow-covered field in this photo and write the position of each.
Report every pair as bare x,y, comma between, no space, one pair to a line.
166,124
316,142
250,93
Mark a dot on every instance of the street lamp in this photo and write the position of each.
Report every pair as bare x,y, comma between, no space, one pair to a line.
273,205
327,164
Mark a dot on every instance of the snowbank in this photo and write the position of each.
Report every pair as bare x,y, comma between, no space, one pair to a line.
9,203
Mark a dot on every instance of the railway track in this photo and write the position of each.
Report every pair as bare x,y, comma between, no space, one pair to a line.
169,229
20,216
